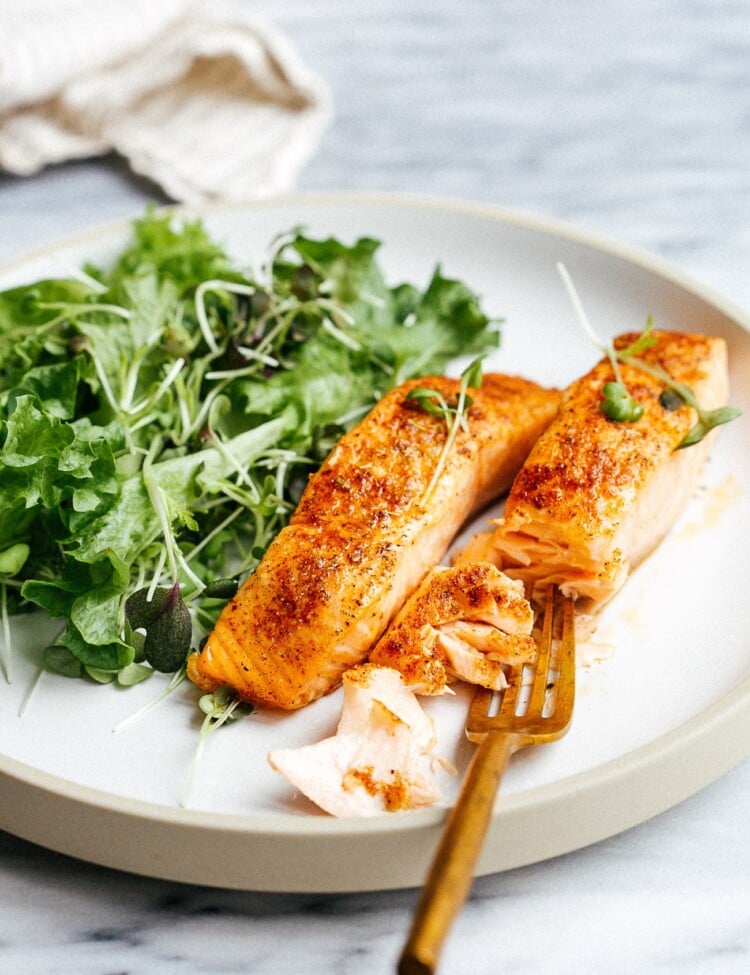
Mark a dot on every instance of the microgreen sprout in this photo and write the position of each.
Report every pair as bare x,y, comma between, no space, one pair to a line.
6,632
30,690
219,707
12,560
617,402
232,287
707,419
433,402
177,678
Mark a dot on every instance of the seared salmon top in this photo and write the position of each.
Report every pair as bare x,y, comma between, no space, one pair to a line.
588,469
596,496
462,623
364,535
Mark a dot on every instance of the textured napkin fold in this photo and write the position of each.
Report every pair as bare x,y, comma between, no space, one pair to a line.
206,99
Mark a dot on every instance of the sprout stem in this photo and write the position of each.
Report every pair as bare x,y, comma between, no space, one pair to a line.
7,651
217,285
31,688
177,678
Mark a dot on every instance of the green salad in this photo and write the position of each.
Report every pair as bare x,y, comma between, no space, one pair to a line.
160,417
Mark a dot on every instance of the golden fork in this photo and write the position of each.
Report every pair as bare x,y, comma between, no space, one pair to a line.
542,715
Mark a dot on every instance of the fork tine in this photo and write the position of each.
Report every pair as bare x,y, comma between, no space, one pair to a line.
567,661
480,720
544,653
480,703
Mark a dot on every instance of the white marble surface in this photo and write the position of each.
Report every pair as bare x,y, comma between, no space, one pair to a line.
630,119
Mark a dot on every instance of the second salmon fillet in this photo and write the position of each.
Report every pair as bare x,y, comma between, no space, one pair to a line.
595,497
364,535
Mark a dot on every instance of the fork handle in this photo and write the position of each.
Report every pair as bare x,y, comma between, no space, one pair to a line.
452,869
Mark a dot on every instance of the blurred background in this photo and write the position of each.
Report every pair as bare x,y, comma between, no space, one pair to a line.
632,119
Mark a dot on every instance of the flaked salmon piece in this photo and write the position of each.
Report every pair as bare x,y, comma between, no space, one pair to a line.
364,535
595,497
382,757
462,623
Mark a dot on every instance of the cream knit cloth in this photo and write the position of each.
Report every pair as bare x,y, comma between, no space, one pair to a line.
203,98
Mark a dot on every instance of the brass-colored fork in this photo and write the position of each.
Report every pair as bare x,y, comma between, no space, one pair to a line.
541,715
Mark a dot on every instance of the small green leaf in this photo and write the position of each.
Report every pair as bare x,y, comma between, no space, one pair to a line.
134,639
644,341
60,660
618,405
220,589
429,401
472,374
223,705
133,674
722,415
706,423
101,676
12,559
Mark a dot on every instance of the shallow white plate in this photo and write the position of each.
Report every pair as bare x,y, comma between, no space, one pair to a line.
663,704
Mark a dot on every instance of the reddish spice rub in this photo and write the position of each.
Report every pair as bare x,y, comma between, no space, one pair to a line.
595,497
395,794
362,538
382,757
463,623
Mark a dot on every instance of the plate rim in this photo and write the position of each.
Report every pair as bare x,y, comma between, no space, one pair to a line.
527,219
644,764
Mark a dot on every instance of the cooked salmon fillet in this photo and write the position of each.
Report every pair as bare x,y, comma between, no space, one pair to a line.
462,623
382,757
364,535
595,497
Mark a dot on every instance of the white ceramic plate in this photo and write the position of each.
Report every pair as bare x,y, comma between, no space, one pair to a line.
663,704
